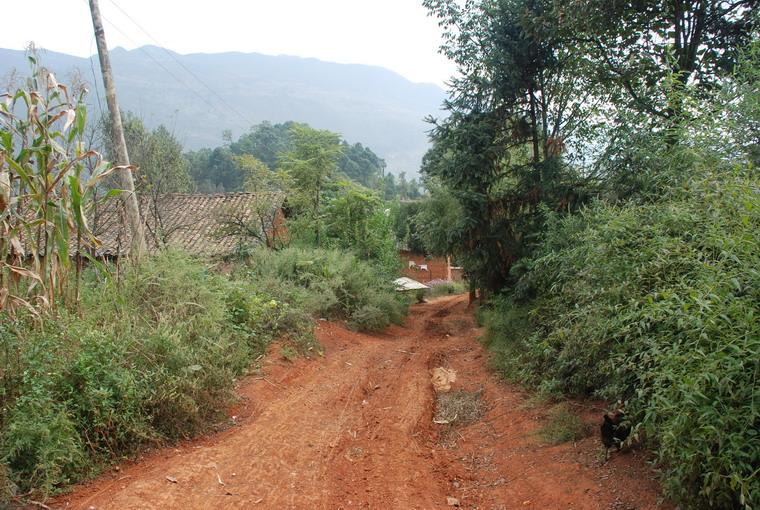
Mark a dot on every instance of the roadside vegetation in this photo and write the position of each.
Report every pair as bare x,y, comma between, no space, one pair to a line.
153,357
562,425
219,169
445,288
602,163
595,175
102,359
150,359
329,284
654,305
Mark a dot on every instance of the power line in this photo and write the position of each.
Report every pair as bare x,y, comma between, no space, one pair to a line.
159,64
95,79
183,66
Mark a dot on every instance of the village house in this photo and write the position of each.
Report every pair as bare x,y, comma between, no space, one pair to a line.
204,225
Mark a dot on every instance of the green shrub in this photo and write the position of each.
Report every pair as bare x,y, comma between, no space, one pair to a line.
446,288
368,318
145,362
328,284
42,447
288,353
655,304
153,358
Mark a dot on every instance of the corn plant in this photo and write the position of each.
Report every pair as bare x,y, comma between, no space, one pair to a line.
46,192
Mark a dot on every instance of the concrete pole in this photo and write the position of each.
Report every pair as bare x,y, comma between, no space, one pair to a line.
131,206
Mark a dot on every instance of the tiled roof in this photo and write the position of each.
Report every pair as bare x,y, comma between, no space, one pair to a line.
197,224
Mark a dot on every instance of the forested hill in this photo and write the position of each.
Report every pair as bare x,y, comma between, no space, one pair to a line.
366,104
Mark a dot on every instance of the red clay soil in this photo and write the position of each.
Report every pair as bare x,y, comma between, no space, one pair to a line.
354,429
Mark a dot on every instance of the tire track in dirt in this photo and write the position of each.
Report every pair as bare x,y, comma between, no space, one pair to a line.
354,430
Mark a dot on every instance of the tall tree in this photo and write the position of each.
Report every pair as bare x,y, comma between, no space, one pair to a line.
160,168
357,219
311,163
215,170
513,109
361,165
265,141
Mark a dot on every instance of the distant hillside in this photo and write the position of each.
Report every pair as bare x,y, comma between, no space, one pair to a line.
366,104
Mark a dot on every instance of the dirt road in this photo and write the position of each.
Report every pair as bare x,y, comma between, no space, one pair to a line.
355,429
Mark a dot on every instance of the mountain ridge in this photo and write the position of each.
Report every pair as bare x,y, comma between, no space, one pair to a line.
364,103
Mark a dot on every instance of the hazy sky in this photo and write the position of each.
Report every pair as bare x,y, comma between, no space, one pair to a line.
396,34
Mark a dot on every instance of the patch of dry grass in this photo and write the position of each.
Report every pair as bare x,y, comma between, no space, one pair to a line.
459,407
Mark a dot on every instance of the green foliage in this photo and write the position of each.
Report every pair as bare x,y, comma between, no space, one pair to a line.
157,155
288,353
361,165
638,49
42,447
406,227
730,128
508,327
261,223
655,304
392,187
356,219
446,288
368,318
650,294
149,361
321,209
266,142
310,163
258,177
327,284
271,144
439,222
499,153
215,171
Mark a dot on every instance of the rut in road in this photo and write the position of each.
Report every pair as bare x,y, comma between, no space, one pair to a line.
355,429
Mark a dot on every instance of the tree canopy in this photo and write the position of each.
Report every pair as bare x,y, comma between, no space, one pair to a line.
157,154
216,169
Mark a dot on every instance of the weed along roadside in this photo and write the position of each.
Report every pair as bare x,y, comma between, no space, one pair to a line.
106,354
153,358
324,432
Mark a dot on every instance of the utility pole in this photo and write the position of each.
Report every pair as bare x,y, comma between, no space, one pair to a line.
131,206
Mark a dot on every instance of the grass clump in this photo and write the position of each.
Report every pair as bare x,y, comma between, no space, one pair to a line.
654,304
562,426
445,288
327,284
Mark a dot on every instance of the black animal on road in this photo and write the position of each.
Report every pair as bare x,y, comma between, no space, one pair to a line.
615,431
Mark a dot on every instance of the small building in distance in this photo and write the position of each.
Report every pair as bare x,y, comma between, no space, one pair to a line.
425,269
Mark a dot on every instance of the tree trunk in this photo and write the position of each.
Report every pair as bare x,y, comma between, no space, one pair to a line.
131,206
316,210
534,126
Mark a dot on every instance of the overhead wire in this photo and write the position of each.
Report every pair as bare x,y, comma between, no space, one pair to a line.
182,65
95,79
166,70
